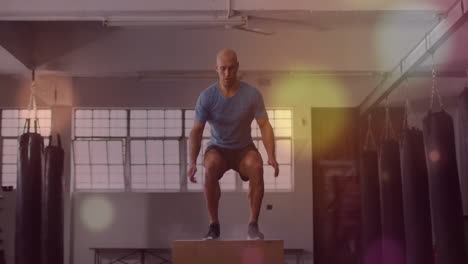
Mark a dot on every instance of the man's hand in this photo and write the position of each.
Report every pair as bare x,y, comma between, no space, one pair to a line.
274,164
191,173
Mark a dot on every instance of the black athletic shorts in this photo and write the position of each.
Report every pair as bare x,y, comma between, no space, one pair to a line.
233,157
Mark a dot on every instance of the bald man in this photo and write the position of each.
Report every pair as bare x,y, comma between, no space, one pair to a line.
230,106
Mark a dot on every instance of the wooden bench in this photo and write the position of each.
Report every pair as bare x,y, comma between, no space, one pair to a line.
124,255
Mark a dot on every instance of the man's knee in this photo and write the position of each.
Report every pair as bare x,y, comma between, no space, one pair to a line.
213,165
213,169
254,165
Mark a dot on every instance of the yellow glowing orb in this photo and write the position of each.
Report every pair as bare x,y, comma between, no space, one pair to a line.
97,213
298,89
306,90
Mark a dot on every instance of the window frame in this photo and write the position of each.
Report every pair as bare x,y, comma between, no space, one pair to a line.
183,152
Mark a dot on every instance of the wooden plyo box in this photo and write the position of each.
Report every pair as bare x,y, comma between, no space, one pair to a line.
227,252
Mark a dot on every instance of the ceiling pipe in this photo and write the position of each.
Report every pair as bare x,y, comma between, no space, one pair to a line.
229,13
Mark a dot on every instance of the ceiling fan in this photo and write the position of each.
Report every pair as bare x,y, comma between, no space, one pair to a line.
292,19
245,27
232,22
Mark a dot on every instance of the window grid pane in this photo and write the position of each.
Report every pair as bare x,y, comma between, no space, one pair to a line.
100,123
189,119
281,121
13,122
99,164
156,123
155,164
9,161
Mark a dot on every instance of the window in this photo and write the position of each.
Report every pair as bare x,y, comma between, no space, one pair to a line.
98,149
99,164
155,165
147,141
13,123
147,150
154,150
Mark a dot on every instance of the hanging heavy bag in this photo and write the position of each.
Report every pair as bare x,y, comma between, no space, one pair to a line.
28,196
463,146
370,201
371,229
391,197
444,188
417,214
391,201
52,204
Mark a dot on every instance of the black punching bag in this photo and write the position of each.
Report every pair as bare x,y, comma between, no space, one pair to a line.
52,205
28,197
444,188
370,204
416,206
391,202
463,146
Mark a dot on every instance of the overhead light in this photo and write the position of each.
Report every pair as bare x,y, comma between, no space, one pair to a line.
174,21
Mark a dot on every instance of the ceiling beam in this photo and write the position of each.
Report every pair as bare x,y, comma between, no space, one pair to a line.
440,74
90,6
454,18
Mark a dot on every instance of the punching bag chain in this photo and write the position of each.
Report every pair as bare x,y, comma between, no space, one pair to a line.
435,90
32,98
388,127
407,104
32,105
370,135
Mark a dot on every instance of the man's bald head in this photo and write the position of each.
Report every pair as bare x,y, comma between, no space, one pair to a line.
227,66
226,55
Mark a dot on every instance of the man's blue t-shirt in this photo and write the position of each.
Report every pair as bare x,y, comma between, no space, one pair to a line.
230,118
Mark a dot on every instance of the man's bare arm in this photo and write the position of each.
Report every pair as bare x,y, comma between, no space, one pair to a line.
195,139
268,139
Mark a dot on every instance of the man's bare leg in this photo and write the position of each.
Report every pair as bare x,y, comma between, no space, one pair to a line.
215,166
251,166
